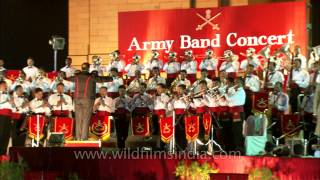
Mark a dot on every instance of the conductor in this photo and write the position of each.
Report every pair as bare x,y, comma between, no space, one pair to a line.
84,96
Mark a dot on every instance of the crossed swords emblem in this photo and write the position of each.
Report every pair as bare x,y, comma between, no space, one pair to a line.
207,20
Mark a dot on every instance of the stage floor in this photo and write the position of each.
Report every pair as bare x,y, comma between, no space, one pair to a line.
92,163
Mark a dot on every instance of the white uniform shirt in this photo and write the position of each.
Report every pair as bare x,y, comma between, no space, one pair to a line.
171,67
253,82
100,68
120,65
209,64
31,72
134,85
229,66
307,103
67,86
123,102
4,101
275,77
41,83
254,61
19,104
279,100
53,101
211,101
26,85
69,70
236,97
113,86
106,104
132,68
143,100
154,63
161,101
189,66
196,84
301,77
36,106
154,81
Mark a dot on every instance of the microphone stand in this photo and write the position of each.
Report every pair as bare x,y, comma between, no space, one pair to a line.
212,142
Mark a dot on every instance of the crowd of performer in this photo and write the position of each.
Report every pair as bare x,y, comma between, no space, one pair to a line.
223,89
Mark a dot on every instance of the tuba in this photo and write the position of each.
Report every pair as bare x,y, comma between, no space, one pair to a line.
265,52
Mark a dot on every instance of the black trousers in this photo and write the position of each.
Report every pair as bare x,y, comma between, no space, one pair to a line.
122,126
294,93
5,129
237,138
18,136
248,104
180,134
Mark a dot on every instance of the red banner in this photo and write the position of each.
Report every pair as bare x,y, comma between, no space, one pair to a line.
140,125
166,128
33,121
100,127
65,125
260,102
192,127
206,120
236,28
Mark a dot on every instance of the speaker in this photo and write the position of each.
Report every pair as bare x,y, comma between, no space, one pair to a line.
56,139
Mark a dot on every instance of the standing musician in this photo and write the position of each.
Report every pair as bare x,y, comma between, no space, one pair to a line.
134,86
68,68
114,84
204,77
21,80
252,85
252,58
279,103
236,99
306,111
231,64
199,105
19,112
31,71
160,106
97,66
5,118
122,116
299,55
60,103
300,80
103,105
154,81
209,63
180,105
116,62
133,67
273,77
189,65
181,79
172,68
154,62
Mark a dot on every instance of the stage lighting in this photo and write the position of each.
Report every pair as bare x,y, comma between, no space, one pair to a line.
57,43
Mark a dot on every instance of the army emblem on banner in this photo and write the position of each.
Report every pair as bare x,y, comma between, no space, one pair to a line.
166,128
192,127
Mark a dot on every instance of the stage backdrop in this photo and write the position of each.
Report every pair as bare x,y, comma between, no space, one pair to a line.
236,28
